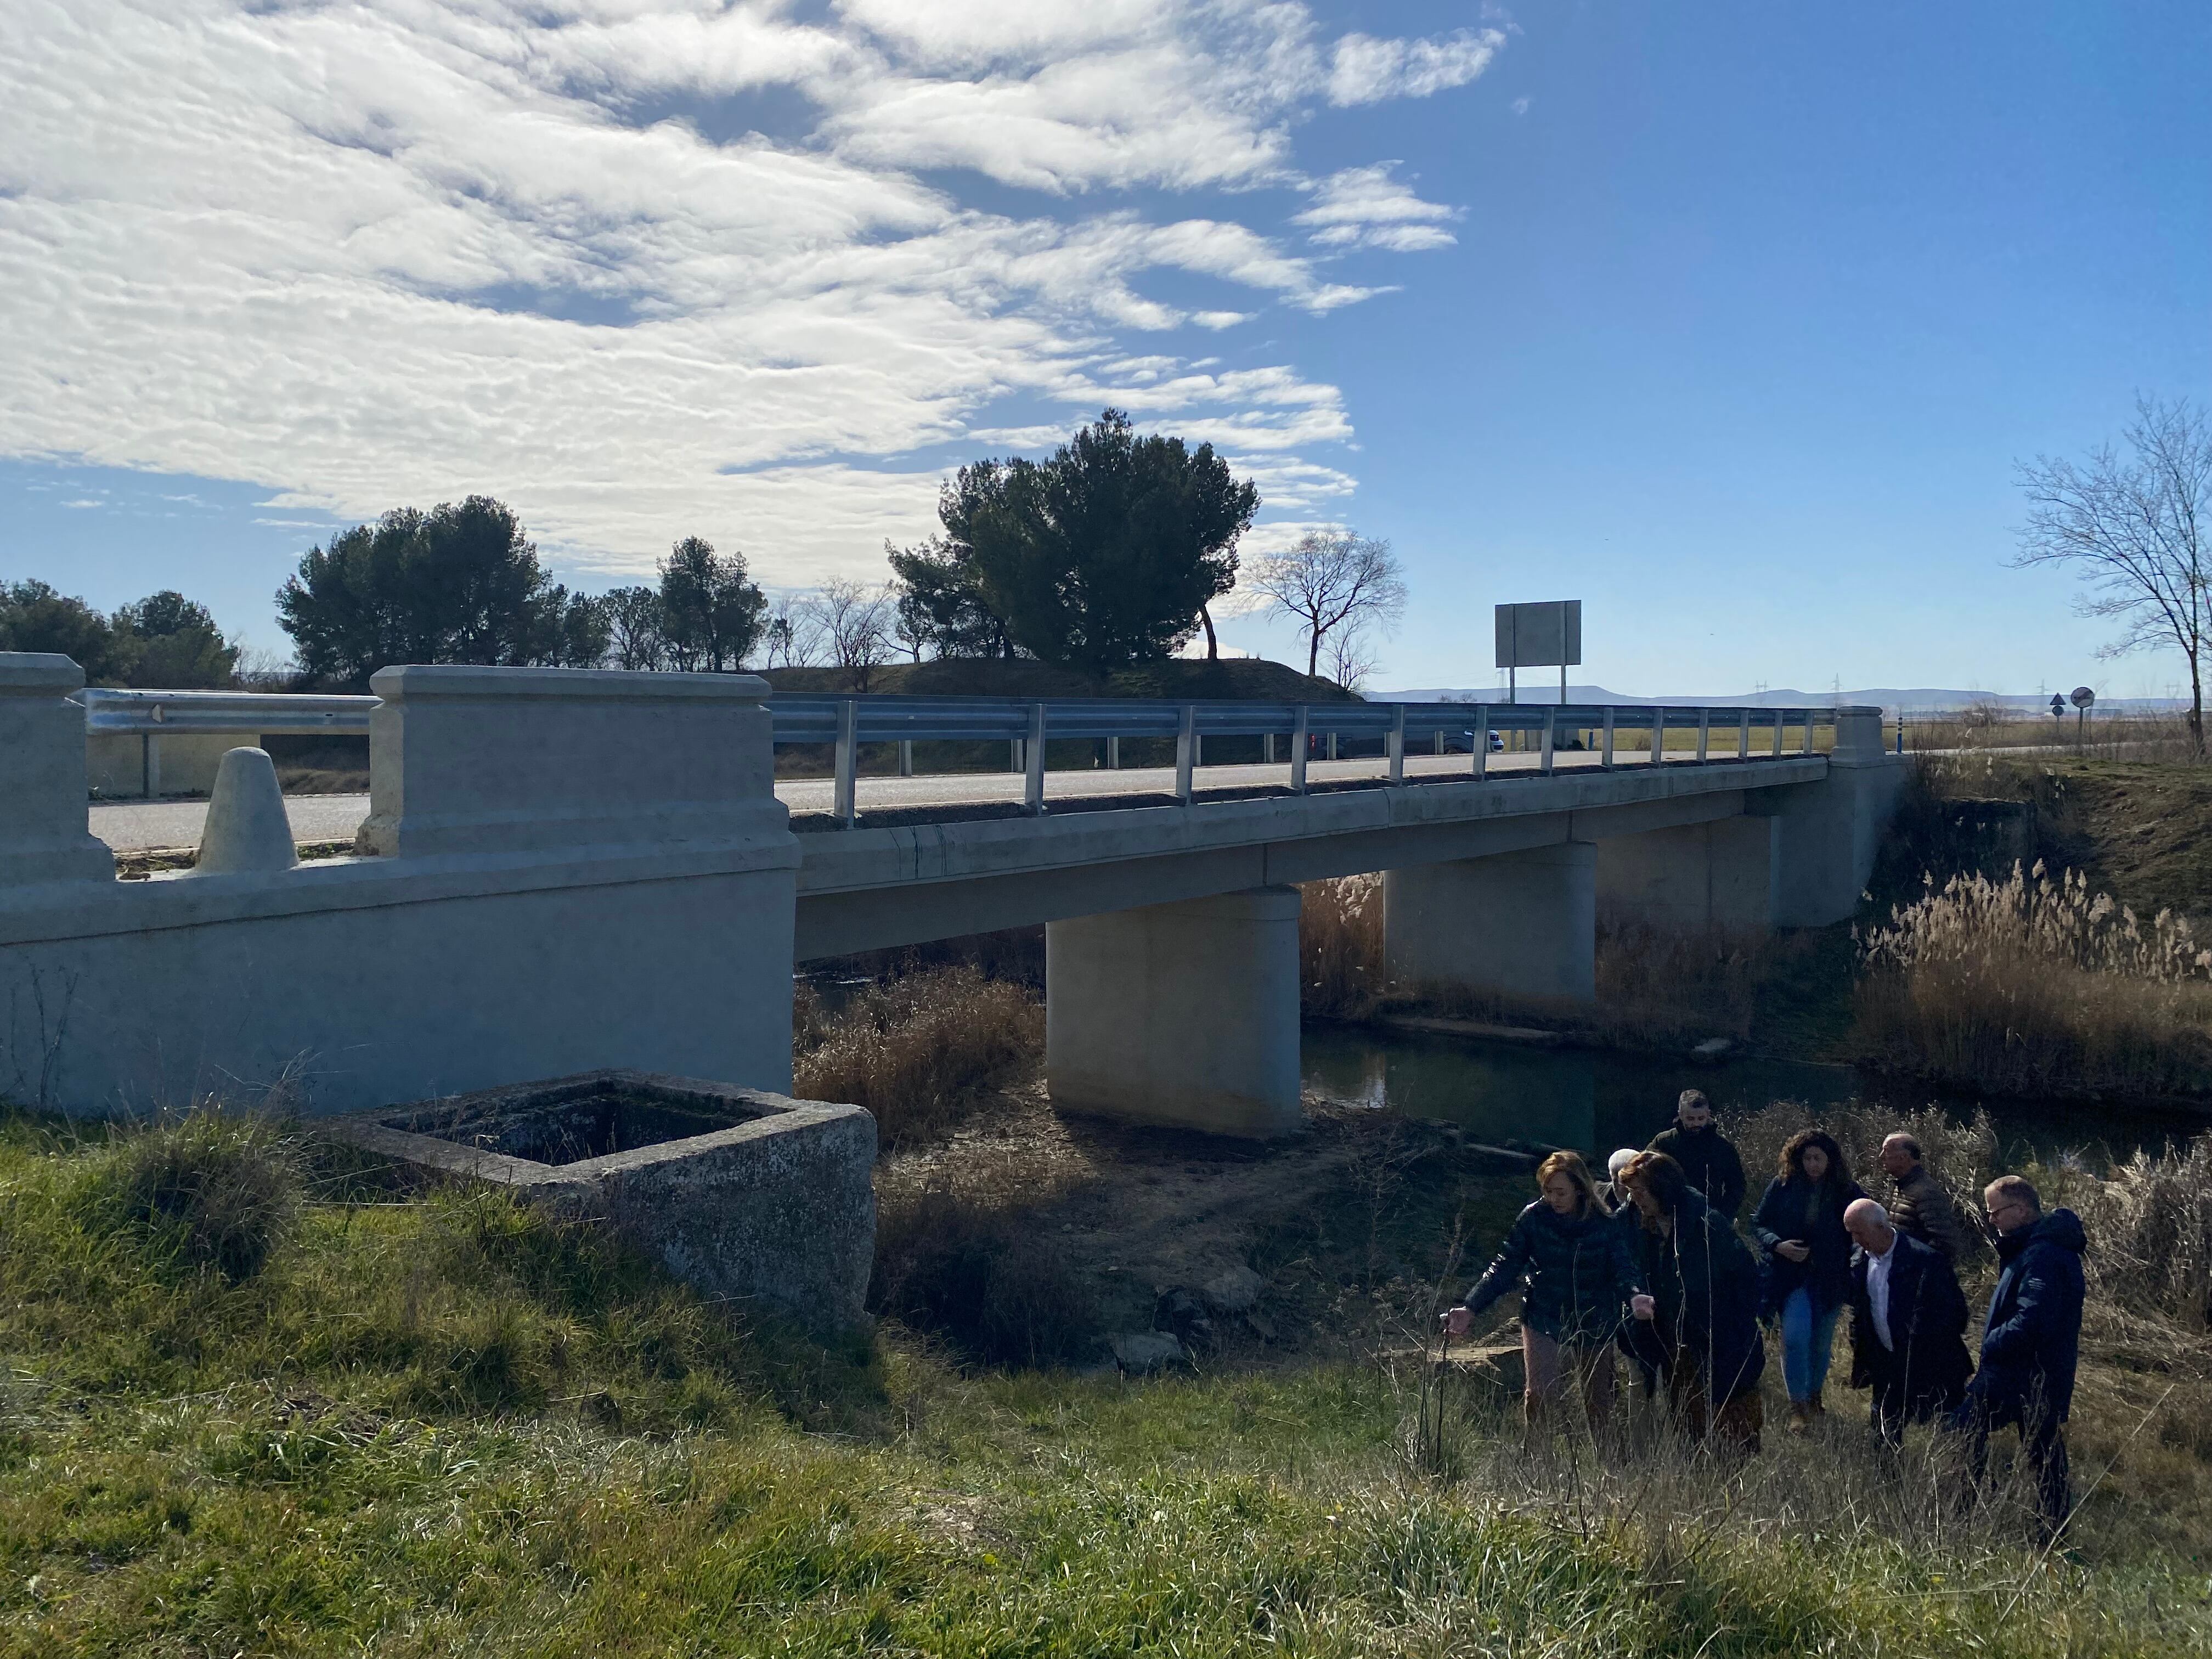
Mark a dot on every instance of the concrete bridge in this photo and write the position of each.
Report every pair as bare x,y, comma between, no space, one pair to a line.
565,871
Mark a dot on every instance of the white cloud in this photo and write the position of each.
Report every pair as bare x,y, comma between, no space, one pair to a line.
1366,70
1365,206
372,256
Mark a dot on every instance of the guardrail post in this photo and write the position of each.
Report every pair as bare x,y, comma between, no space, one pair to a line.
1743,734
1480,768
1606,760
1705,733
1780,719
1550,737
1659,735
1014,762
1033,786
1332,742
1113,754
905,757
1301,741
848,755
1268,748
1398,745
1186,751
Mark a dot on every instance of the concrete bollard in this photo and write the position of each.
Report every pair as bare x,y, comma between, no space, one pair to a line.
246,829
43,835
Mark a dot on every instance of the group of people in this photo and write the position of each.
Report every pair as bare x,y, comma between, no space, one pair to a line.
1649,1264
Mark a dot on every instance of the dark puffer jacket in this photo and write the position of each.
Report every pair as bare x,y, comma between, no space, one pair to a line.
1575,1274
1813,1215
2032,1340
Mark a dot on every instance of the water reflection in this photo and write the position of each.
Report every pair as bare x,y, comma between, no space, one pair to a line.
1597,1101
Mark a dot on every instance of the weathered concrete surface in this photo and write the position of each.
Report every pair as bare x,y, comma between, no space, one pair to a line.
1185,1014
607,927
1828,831
773,1199
1716,875
246,829
43,836
1521,925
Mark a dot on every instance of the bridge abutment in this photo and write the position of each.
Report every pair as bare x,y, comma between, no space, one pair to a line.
1519,925
1692,877
1182,1014
1826,833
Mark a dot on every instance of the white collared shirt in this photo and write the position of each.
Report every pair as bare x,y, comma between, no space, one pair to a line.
1878,1290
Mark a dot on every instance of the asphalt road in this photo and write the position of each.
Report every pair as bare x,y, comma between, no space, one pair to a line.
142,826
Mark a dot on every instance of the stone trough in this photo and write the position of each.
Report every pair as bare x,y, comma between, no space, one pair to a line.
746,1195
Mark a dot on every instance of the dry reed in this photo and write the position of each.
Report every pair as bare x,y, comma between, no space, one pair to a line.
915,1052
1340,971
2025,985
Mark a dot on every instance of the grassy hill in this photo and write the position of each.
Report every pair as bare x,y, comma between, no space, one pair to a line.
253,1403
1233,679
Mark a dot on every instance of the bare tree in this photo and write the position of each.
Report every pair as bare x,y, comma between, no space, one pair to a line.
1333,579
2136,525
636,637
857,619
793,633
1352,657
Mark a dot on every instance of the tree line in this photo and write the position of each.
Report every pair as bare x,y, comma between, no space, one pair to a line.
1114,551
164,641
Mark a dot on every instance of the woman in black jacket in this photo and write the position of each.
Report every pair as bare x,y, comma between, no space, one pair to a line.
1577,1275
1800,1223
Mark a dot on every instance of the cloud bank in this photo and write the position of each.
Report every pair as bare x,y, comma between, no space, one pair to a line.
646,269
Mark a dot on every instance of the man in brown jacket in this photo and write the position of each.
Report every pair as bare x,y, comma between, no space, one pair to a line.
1922,1208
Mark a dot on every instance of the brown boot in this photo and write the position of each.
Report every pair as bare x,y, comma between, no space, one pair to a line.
1801,1416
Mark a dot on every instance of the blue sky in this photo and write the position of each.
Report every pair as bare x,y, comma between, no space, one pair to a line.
1730,319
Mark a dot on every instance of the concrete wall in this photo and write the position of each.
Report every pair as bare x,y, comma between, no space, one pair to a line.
597,907
1698,875
1521,926
126,765
1183,1014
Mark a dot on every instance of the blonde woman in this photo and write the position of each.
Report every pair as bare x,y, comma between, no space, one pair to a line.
1572,1265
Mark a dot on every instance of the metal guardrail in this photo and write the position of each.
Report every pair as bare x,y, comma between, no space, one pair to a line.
1027,726
150,713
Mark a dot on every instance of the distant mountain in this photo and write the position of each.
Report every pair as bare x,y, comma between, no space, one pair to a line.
1918,700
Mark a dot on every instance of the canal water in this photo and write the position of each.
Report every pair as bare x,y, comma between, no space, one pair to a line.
1594,1100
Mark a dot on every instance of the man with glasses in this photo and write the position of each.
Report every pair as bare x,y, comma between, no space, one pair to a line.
2031,1341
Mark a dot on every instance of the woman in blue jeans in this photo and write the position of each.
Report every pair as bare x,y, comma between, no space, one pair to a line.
1800,1223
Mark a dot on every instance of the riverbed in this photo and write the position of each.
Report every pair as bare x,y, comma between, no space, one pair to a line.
1595,1100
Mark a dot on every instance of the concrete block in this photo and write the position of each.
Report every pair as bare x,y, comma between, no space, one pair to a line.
1716,875
43,833
742,1195
489,759
1520,926
1182,1014
245,827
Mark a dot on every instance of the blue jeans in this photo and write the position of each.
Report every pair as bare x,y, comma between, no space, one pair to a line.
1806,1339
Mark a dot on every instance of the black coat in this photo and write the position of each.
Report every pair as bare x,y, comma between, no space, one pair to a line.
1575,1273
1795,1209
1709,1159
1925,1367
2031,1339
1706,1284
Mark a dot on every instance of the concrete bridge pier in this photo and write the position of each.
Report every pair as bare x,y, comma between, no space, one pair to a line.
1692,877
1519,925
1182,1014
1827,833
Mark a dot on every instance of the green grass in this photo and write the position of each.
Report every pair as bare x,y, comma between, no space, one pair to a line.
431,1423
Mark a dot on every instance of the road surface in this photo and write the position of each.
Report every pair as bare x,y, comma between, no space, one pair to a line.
146,826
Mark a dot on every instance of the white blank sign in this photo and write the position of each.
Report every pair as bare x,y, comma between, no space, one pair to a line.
1546,636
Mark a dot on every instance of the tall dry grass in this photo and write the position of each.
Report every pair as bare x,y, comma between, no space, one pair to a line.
2028,985
1341,971
915,1051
